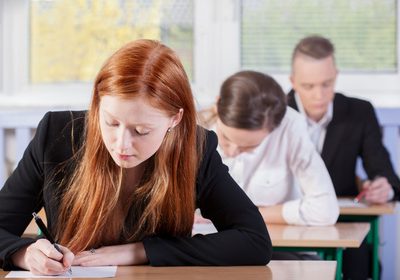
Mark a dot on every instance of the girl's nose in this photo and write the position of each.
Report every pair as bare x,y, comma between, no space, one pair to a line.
124,140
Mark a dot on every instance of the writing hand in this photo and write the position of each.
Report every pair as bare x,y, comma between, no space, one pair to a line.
41,258
127,254
377,190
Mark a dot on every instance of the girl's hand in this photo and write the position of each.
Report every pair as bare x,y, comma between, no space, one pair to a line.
127,254
41,258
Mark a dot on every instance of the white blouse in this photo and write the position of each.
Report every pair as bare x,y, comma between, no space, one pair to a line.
286,169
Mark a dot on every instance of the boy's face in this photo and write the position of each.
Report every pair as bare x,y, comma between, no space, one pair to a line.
314,82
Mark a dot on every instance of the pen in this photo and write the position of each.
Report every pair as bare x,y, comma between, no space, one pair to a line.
47,234
360,196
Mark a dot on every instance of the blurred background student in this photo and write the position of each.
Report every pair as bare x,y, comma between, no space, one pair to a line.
342,129
266,146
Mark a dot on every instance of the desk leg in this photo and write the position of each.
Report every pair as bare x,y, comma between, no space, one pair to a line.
372,238
336,254
339,263
375,248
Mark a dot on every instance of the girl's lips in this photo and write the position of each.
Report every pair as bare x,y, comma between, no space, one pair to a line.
124,157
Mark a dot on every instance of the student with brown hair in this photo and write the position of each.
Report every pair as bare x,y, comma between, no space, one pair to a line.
268,151
343,129
121,181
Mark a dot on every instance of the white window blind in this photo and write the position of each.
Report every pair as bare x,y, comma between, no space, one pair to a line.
363,31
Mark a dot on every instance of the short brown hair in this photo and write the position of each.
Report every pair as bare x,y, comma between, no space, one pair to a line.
315,46
251,100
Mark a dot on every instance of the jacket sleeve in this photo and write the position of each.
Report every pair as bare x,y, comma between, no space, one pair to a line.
318,204
242,237
376,159
20,196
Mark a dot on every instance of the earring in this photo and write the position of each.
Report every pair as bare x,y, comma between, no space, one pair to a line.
169,129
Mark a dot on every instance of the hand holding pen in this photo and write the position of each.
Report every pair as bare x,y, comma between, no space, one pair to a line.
41,252
377,190
366,184
360,196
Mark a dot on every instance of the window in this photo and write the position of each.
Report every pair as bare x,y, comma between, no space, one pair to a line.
363,32
52,49
70,39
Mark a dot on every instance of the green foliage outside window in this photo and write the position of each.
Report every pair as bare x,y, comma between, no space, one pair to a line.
70,39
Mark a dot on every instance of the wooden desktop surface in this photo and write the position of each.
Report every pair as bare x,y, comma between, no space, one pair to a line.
32,229
346,235
339,235
347,207
279,270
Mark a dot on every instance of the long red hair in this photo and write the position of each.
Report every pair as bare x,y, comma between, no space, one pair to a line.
164,201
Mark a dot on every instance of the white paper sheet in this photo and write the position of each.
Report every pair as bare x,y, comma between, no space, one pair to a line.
347,202
77,272
203,228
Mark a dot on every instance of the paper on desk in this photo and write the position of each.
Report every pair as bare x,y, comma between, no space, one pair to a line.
348,202
77,272
203,228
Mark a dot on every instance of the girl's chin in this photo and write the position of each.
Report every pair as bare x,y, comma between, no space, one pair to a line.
127,164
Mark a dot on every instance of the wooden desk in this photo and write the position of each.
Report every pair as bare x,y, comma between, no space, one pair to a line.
279,270
32,230
347,207
350,211
340,235
328,241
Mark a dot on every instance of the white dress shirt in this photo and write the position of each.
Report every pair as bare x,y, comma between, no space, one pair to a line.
286,169
316,130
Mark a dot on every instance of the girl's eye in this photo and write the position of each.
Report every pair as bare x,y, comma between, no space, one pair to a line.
141,133
112,124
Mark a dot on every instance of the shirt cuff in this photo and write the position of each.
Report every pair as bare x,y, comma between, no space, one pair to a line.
291,213
390,195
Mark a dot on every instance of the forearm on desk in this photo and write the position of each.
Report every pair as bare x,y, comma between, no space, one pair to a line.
125,254
18,258
272,214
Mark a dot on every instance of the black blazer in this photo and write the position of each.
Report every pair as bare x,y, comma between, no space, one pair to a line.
354,132
242,239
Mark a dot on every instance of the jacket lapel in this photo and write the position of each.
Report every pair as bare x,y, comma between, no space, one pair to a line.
336,127
291,101
335,131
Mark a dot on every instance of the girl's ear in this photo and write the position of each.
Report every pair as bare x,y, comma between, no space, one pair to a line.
177,118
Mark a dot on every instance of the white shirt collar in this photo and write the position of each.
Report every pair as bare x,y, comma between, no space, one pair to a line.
326,119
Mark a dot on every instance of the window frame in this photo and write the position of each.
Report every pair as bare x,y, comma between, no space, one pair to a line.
216,27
